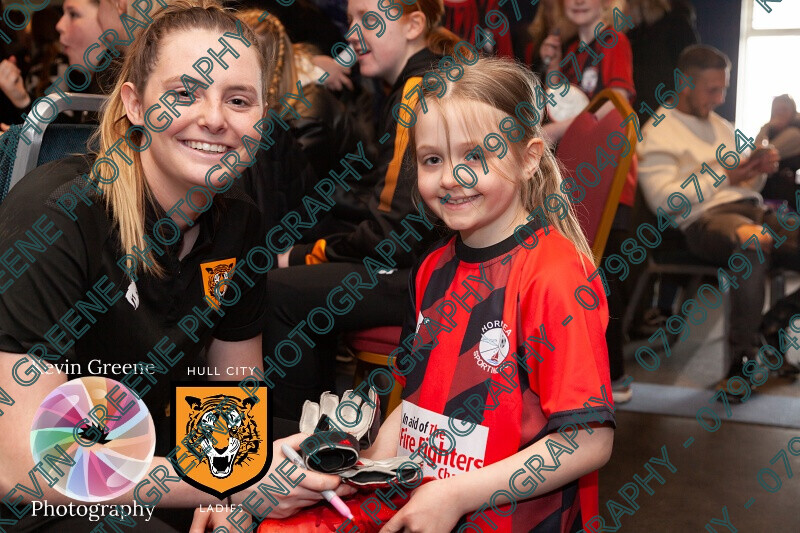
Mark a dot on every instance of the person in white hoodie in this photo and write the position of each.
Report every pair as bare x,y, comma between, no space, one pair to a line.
721,208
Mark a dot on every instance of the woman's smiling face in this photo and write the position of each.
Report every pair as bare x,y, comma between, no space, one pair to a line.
179,157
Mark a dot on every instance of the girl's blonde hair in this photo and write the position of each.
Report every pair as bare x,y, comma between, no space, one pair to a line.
127,194
438,39
550,17
502,84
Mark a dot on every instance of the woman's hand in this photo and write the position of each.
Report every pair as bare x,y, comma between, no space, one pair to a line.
338,75
11,83
307,492
210,520
433,508
550,52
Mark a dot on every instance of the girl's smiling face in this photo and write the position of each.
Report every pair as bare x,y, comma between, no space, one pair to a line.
179,157
488,212
584,12
384,56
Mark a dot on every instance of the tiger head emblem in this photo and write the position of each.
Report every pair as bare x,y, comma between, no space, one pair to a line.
222,431
217,274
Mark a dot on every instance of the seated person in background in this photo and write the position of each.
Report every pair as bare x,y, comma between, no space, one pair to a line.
731,211
783,129
18,56
326,130
783,133
549,20
614,71
407,49
77,29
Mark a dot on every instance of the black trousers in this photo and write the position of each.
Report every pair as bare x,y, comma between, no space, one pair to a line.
618,296
617,300
361,301
713,237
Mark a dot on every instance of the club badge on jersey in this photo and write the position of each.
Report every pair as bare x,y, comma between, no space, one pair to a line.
214,273
494,345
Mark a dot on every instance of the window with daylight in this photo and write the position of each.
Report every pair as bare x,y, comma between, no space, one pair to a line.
768,59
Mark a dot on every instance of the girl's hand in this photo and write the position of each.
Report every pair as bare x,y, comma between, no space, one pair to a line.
209,520
283,259
433,508
307,492
550,52
338,75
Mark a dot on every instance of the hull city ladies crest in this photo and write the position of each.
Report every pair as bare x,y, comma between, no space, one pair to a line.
226,432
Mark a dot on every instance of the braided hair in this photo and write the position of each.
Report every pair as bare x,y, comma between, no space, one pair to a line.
280,52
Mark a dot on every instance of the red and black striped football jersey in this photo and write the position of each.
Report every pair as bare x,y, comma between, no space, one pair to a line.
502,345
462,17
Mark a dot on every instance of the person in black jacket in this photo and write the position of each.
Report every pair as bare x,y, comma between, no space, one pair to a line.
324,131
400,57
663,28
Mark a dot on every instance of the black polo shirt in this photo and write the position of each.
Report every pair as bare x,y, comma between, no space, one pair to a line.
80,264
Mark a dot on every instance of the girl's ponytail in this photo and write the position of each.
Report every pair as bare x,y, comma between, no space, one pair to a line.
440,40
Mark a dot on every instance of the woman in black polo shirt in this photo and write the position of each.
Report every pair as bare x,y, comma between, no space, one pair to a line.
136,269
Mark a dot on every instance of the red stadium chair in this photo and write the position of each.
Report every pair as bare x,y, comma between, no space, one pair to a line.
578,151
371,348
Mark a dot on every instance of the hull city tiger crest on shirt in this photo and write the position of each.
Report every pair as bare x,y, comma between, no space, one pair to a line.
215,272
226,432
